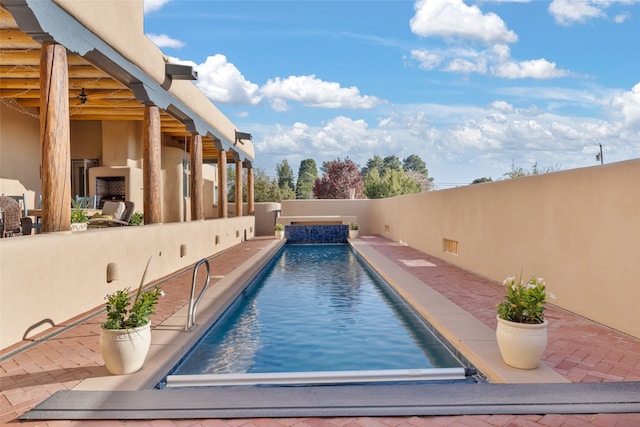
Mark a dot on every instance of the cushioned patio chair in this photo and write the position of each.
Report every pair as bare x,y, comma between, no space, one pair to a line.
114,214
13,221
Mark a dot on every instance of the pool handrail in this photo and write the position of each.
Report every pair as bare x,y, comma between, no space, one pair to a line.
193,304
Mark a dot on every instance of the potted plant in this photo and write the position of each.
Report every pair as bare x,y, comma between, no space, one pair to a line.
353,230
137,218
79,219
125,337
279,230
522,329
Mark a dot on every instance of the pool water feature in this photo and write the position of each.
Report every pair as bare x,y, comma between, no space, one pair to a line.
313,311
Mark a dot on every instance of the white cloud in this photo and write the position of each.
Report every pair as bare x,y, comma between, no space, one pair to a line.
453,19
428,60
461,143
163,40
502,106
221,81
629,105
313,92
566,12
620,18
153,5
495,59
535,68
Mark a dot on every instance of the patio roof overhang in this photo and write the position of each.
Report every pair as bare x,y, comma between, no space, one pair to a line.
117,86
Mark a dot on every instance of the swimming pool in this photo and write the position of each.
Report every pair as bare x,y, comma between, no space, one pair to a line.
318,309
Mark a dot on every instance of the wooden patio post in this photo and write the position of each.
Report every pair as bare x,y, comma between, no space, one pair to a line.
55,139
239,188
250,192
222,184
152,165
197,204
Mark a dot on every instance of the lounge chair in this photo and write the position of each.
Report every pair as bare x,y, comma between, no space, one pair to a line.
114,214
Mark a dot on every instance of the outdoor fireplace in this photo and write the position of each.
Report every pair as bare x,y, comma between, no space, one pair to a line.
110,188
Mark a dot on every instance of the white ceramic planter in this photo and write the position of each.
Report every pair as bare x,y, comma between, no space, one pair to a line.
353,234
279,234
124,350
79,226
521,345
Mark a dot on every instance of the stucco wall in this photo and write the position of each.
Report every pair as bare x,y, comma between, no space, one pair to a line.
579,229
49,278
20,148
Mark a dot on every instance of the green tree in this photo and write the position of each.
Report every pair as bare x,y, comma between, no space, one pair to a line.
373,164
265,189
415,163
285,175
392,163
393,182
481,180
307,175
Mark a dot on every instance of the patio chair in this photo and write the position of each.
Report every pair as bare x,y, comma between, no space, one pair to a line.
12,219
114,214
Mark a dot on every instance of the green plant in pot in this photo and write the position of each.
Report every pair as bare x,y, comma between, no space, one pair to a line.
522,329
78,216
353,230
137,218
125,336
279,231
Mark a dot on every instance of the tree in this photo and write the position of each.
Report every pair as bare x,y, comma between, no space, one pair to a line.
481,180
393,182
307,175
265,189
339,177
285,174
424,181
375,163
416,169
535,170
392,162
415,163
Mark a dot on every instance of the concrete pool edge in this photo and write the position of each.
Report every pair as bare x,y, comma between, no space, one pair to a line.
473,339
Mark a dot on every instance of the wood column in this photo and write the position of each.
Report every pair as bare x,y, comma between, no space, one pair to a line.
196,184
250,192
239,188
55,139
223,211
152,165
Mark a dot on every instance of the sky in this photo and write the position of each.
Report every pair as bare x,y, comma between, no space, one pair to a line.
475,88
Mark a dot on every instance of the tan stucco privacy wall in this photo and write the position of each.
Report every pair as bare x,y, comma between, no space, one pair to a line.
46,279
579,229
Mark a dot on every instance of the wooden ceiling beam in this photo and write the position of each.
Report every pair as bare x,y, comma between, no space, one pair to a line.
78,83
15,39
32,57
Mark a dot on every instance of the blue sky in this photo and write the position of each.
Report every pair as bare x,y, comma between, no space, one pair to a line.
472,87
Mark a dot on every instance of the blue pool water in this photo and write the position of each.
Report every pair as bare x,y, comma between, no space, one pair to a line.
317,308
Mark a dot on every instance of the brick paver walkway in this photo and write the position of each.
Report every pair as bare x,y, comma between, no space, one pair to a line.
581,350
